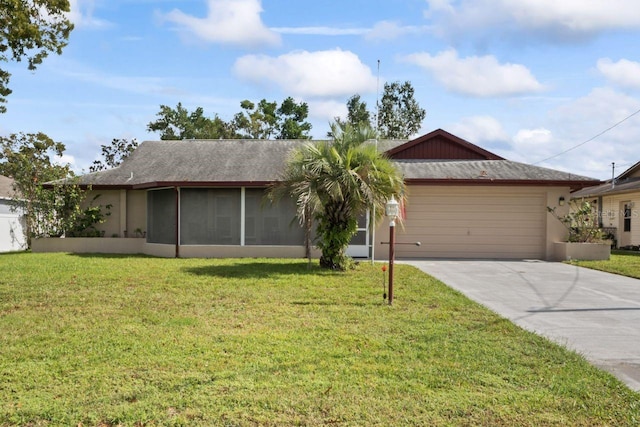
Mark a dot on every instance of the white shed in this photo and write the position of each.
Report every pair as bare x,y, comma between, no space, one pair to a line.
12,235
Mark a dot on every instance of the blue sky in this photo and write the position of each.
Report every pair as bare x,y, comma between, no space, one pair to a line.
526,79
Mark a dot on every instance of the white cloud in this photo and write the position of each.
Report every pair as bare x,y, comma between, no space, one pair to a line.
65,159
535,136
327,110
389,30
479,129
539,141
383,30
321,31
327,73
480,76
577,137
624,73
233,22
584,139
81,14
439,6
548,18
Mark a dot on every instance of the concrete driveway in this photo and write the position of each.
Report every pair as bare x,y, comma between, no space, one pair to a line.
594,313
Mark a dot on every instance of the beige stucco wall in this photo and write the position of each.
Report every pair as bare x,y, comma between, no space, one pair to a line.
198,251
139,246
160,250
556,230
136,211
128,211
89,245
449,221
477,222
111,226
612,216
567,251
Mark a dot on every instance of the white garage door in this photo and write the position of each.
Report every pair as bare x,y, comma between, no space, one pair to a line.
474,222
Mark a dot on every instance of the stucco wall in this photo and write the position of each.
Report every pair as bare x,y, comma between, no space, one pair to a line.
196,251
556,230
139,246
111,226
136,211
469,222
128,211
89,245
612,216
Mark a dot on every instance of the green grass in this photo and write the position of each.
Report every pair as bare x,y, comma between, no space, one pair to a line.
626,263
137,341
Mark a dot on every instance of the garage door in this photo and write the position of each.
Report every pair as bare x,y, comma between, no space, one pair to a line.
474,222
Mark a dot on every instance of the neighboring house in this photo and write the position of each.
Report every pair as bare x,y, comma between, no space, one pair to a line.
617,202
12,235
205,199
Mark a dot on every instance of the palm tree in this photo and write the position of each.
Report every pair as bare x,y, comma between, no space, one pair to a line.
334,182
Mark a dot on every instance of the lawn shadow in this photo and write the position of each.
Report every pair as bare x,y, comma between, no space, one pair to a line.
110,255
14,253
259,269
628,252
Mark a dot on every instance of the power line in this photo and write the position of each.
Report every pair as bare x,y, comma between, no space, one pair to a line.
590,139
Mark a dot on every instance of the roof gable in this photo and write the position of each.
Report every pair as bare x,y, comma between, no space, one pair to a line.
440,145
632,172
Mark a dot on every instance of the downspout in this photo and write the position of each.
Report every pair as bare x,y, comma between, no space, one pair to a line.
123,213
177,222
243,214
372,240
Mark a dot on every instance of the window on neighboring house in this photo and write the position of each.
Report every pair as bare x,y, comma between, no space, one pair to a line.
627,217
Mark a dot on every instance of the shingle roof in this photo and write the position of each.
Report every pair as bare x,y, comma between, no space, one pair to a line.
198,162
257,162
624,186
484,171
626,182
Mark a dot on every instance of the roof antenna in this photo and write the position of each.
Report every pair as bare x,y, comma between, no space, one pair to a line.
613,174
378,104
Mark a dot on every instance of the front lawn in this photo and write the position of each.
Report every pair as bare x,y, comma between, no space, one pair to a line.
626,263
139,341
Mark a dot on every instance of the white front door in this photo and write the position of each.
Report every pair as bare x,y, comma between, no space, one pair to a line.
624,228
359,246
